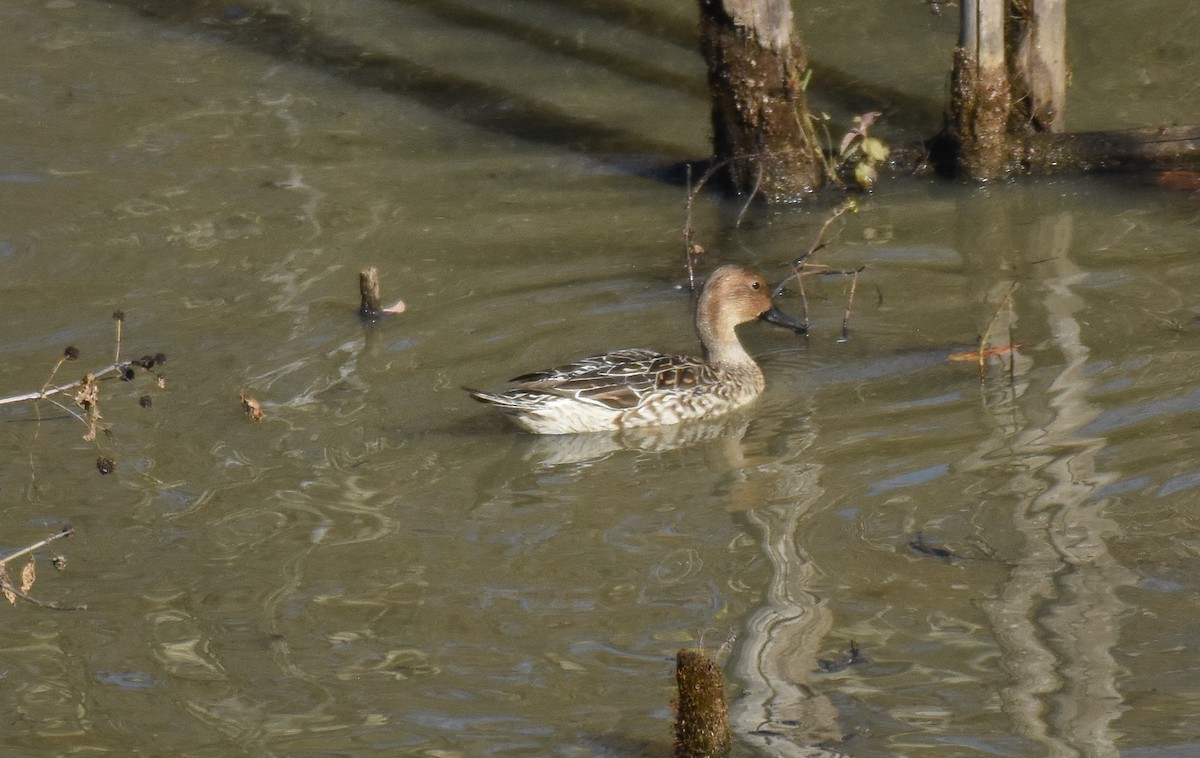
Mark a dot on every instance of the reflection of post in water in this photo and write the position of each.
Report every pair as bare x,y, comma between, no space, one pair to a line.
776,653
1054,618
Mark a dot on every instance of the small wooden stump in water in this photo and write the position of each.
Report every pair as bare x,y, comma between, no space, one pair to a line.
701,714
370,307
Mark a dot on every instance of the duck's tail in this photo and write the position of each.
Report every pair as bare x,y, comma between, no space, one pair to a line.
510,401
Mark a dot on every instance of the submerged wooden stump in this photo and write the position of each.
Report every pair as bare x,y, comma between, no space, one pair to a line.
370,307
981,100
756,76
701,713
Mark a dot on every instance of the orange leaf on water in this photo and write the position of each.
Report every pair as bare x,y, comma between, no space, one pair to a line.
1179,180
991,352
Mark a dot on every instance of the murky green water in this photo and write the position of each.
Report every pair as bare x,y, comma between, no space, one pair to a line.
381,565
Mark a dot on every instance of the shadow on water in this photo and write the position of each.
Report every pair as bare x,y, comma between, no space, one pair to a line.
835,89
504,111
476,103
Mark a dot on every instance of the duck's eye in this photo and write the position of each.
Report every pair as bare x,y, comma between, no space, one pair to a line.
755,285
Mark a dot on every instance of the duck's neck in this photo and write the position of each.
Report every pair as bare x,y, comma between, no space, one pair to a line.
720,342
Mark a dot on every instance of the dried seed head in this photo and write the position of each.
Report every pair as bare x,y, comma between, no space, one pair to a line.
127,373
118,315
145,401
106,465
59,562
71,353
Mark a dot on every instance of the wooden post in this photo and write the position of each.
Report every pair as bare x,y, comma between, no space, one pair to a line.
701,713
1039,70
981,98
756,76
368,289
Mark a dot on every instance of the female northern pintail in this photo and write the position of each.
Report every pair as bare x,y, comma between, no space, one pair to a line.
630,388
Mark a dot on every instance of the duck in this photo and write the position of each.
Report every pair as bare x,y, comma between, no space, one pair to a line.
631,388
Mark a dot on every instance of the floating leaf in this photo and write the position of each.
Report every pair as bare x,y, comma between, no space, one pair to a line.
252,407
1179,180
28,576
875,149
865,174
6,585
991,352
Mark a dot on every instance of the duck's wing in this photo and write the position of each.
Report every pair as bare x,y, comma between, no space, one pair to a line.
619,380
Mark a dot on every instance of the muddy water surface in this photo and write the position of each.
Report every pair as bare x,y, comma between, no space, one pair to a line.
381,565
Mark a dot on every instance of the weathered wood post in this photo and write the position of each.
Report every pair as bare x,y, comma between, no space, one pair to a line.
756,75
1039,71
981,98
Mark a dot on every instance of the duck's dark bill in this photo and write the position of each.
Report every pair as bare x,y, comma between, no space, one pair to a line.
779,318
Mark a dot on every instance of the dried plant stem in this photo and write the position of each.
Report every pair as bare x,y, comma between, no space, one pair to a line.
66,532
758,177
119,317
689,245
41,603
48,390
849,306
1006,305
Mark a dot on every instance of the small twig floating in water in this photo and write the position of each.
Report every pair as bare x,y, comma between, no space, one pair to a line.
67,531
12,592
119,317
370,306
849,305
983,353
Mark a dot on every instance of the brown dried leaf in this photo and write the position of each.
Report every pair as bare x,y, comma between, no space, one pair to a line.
252,407
6,586
28,576
991,352
88,394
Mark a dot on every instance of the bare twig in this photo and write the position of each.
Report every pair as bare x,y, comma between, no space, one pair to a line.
67,531
758,177
8,587
119,317
803,266
57,389
849,206
849,305
1006,305
689,244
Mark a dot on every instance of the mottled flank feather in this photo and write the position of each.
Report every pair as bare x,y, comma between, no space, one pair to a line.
631,388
